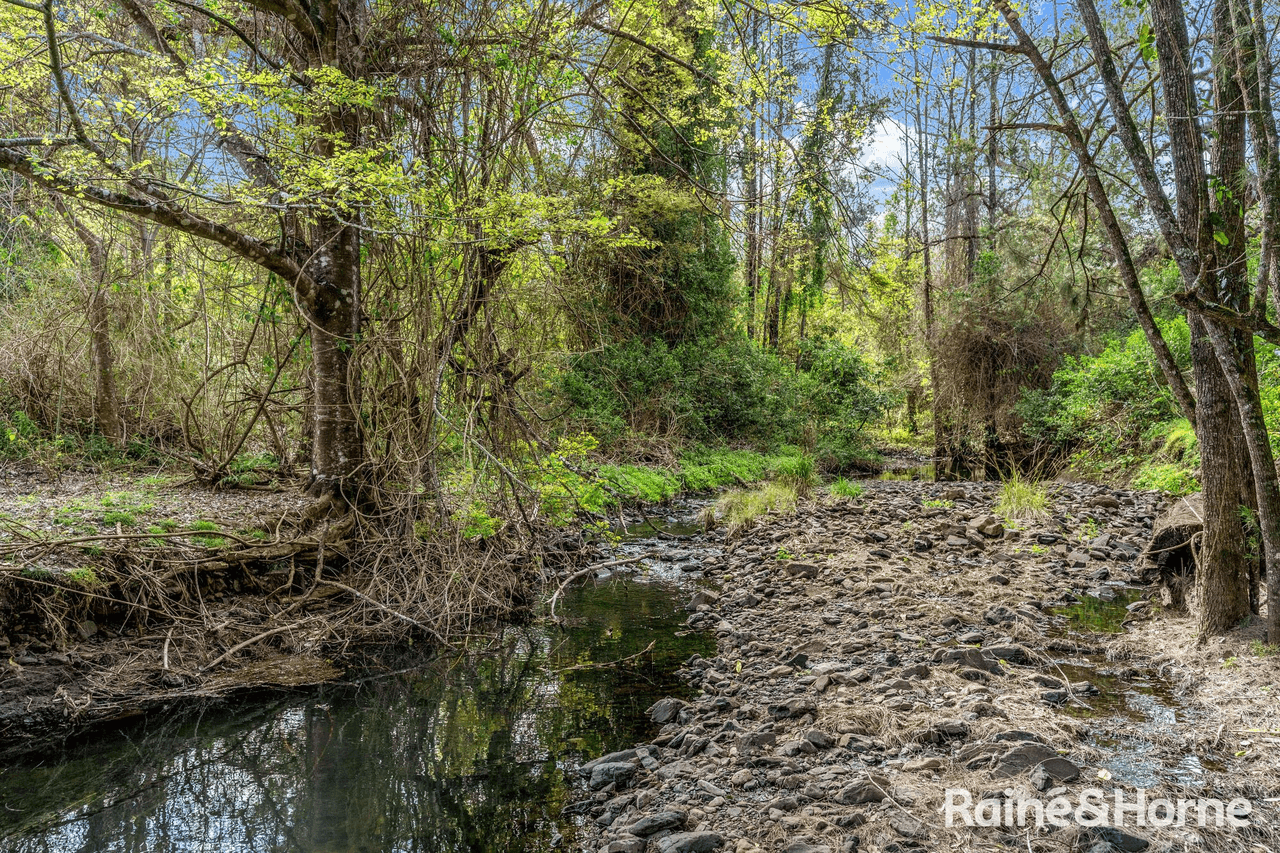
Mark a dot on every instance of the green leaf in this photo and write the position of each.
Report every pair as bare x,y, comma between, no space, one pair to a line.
1147,43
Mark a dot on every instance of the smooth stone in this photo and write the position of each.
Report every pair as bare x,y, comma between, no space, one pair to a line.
606,774
654,823
690,842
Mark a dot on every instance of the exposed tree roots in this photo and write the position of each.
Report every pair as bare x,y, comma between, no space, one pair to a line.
153,618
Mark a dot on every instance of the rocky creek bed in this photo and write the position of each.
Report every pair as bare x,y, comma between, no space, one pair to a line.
873,653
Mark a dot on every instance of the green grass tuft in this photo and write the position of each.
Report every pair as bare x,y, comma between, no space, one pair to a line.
207,541
1022,499
741,508
843,488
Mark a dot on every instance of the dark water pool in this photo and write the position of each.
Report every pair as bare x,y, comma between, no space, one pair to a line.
469,753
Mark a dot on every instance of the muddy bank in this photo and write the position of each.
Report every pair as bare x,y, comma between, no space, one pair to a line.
122,596
874,653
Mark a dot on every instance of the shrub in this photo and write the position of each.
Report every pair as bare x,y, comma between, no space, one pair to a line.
646,485
1107,401
1166,477
798,473
725,390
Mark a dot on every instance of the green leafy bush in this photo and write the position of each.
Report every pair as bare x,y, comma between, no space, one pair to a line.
1107,401
646,485
718,391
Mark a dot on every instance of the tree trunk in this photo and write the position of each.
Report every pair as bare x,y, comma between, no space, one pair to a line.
1222,584
337,439
106,410
1234,349
751,189
1102,204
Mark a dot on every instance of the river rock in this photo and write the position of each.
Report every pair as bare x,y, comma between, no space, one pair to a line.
611,758
1053,770
873,789
756,740
975,658
819,738
666,710
624,845
802,570
946,730
1114,839
690,842
611,772
990,527
701,597
794,748
708,787
797,707
1012,654
654,823
1022,757
908,827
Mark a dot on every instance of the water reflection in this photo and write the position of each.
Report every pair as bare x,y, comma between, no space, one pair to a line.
461,755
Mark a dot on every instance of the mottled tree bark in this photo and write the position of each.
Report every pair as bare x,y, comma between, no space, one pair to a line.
106,408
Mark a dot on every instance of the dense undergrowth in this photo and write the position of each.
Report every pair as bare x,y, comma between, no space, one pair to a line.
1113,418
710,392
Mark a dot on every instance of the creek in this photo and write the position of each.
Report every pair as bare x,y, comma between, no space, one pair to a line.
473,751
469,752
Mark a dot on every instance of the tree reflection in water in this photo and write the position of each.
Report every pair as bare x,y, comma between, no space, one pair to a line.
467,754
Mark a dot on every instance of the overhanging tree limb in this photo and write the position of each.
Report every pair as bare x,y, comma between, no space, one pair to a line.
161,211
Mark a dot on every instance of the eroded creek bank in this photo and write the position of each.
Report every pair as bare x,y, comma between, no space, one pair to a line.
874,653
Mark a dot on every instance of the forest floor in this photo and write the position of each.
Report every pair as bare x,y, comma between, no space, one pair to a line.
882,656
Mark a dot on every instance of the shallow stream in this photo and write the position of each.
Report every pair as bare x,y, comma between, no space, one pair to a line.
468,753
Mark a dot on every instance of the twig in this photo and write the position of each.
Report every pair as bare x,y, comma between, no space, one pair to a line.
87,594
238,646
643,651
588,570
360,595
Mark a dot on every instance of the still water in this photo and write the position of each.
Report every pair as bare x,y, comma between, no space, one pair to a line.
470,753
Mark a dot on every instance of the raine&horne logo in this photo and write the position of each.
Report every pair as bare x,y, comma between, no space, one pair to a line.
1093,808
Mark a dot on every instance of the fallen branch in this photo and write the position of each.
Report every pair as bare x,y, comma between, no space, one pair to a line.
643,651
581,573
